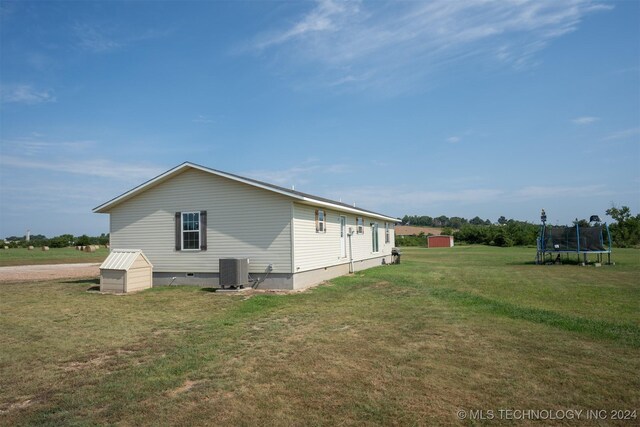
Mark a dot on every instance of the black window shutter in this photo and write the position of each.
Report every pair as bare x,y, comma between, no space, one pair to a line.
178,231
325,221
203,230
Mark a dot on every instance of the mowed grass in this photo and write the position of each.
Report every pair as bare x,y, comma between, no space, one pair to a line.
23,256
464,328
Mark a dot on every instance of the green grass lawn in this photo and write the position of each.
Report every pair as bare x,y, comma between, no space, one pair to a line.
464,328
23,256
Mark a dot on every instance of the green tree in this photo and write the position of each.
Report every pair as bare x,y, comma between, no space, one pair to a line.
83,240
502,239
61,241
440,221
625,232
581,222
476,221
457,222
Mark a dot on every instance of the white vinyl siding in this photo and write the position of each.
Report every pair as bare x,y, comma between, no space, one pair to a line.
242,221
317,250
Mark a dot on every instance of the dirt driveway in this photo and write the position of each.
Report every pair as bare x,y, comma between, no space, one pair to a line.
30,273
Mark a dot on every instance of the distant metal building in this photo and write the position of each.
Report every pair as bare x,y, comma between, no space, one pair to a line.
440,241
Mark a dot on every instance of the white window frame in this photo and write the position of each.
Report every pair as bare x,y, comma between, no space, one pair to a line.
182,231
359,227
387,235
375,238
321,226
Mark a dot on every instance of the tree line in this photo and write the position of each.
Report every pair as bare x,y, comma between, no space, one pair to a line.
444,221
625,230
62,241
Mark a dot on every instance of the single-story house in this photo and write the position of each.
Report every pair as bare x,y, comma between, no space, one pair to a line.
188,218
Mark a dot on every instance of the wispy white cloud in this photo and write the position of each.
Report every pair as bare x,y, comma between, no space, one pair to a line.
93,39
25,94
454,139
368,196
552,192
388,199
202,119
34,145
623,134
349,79
89,167
286,177
585,120
48,178
379,43
297,175
326,16
84,193
102,38
39,60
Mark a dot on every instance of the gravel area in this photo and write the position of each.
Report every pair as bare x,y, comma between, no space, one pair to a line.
29,273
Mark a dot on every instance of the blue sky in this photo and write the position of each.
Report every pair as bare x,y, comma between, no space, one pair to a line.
430,108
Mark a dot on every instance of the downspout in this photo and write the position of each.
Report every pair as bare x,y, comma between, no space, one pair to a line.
350,252
609,236
542,243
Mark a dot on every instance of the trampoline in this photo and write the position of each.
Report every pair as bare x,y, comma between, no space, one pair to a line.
554,241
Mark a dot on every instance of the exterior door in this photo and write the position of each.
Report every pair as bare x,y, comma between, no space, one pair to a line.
374,237
343,237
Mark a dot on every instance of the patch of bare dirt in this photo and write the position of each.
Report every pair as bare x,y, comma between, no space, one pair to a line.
16,405
32,273
95,362
185,387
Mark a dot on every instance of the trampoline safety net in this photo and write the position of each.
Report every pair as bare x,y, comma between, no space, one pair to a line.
583,239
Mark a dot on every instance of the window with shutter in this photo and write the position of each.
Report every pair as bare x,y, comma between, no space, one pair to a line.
321,221
190,231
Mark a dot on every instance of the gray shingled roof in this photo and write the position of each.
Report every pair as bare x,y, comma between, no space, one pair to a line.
277,188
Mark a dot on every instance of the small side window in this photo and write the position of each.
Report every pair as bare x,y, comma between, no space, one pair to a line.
386,232
321,221
359,225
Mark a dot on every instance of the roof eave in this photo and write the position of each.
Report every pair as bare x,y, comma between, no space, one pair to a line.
350,210
107,206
